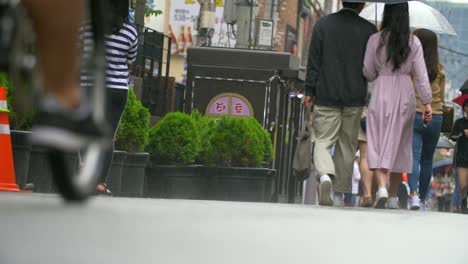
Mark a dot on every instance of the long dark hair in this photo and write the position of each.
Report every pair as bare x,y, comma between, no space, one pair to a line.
431,51
395,26
120,14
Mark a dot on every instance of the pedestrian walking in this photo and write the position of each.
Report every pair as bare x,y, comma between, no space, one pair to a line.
460,135
336,86
121,50
392,56
426,137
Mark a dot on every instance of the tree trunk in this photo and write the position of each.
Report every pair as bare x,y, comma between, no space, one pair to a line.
140,12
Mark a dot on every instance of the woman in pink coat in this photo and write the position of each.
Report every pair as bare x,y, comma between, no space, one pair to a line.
392,58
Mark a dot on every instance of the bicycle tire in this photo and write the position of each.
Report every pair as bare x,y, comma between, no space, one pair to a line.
78,184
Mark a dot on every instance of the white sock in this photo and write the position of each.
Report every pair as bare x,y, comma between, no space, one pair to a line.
324,178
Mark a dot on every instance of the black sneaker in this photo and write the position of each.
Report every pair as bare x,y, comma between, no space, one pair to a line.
68,131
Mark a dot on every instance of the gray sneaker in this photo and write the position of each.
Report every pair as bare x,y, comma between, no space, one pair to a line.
325,191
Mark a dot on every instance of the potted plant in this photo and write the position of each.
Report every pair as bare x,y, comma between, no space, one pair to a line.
175,145
132,137
239,148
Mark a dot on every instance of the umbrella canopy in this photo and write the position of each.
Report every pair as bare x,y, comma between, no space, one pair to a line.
445,143
460,99
378,1
421,16
464,89
442,163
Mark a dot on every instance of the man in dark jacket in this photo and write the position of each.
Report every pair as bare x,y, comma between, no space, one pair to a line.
337,87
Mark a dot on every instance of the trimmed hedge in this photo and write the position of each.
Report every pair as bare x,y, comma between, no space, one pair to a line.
240,142
206,126
133,133
181,139
175,140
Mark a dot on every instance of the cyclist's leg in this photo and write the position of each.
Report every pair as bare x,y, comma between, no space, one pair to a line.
56,23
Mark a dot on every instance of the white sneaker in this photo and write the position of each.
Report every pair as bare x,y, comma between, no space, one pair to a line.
392,203
381,198
338,199
415,203
325,188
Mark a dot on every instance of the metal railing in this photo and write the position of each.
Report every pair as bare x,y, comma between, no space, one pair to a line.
152,66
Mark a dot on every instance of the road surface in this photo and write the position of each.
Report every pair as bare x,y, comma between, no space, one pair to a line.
42,229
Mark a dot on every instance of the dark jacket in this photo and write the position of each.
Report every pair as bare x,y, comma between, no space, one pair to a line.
336,59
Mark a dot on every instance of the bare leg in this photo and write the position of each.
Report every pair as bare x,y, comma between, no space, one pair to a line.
366,173
395,181
367,176
381,176
56,23
462,181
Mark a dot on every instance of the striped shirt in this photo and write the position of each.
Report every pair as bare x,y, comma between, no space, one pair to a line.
121,50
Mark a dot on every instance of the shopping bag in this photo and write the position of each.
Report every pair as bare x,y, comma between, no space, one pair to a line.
302,161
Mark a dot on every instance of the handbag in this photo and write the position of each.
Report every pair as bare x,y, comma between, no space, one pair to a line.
302,161
447,119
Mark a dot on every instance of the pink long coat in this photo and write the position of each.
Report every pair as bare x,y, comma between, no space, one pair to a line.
393,105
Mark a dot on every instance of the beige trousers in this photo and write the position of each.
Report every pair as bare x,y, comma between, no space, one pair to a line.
340,127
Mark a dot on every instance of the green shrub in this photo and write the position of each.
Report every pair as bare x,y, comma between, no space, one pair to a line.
19,120
5,83
206,126
240,142
175,140
265,140
133,133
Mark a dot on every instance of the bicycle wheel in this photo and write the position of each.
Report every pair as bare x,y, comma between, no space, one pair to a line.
77,183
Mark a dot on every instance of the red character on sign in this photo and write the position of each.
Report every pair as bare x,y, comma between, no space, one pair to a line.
239,108
220,107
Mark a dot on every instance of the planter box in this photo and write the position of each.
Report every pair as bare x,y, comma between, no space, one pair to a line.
241,184
114,181
40,172
133,174
177,182
21,155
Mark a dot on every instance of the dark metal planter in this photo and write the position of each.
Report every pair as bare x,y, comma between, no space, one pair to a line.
39,171
114,181
241,184
21,155
133,174
177,182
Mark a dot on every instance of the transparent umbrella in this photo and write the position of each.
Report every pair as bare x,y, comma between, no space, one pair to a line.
379,1
421,16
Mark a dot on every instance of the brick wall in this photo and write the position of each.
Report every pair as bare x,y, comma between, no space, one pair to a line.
288,11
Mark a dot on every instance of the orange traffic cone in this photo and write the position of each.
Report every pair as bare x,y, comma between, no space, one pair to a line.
7,169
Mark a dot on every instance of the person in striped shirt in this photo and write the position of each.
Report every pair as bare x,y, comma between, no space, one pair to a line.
121,51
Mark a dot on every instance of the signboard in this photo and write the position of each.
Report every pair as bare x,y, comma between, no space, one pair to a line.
229,104
265,33
183,25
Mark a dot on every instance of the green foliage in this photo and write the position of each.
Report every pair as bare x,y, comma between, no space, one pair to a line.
5,83
265,140
240,142
148,10
206,126
175,140
18,120
133,133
